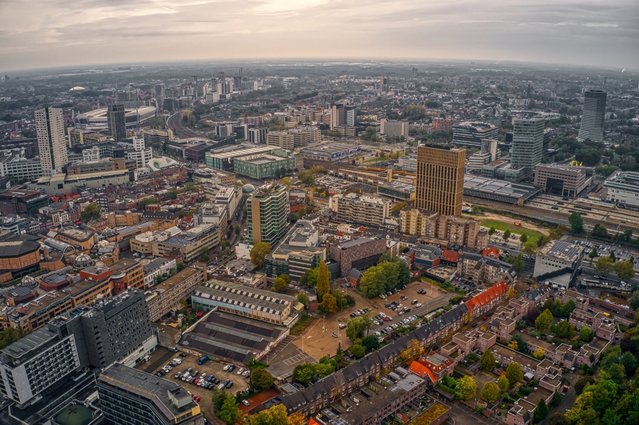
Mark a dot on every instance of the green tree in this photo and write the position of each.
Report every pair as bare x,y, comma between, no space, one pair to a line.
503,383
466,388
506,235
371,343
518,262
544,321
274,415
529,247
413,350
557,418
329,304
523,238
90,212
358,351
604,265
586,334
487,361
600,231
490,392
229,413
563,329
304,373
576,222
261,379
355,328
281,283
309,278
259,252
541,411
302,298
593,254
514,373
491,231
633,302
625,270
323,280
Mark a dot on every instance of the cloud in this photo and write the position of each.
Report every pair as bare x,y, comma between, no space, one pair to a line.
108,31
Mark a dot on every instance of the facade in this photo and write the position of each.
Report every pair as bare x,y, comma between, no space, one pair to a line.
367,210
52,146
440,180
622,188
140,153
394,129
330,151
116,122
265,165
224,158
528,143
562,180
268,212
18,255
357,253
472,134
592,120
257,135
240,300
443,229
167,295
19,168
132,396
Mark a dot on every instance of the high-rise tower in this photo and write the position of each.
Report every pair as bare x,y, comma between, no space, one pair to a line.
117,122
528,143
592,120
268,212
51,144
440,179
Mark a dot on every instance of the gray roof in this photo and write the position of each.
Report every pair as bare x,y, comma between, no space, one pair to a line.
17,247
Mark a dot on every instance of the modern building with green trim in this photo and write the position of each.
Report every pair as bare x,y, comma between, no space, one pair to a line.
265,165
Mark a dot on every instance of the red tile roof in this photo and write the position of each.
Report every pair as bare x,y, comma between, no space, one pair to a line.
450,256
490,252
486,296
422,371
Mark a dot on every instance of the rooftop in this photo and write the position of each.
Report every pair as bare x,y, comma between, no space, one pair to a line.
563,250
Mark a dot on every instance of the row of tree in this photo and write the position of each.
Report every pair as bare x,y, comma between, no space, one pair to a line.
389,274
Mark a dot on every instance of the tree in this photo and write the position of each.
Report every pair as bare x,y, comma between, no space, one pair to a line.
229,413
487,361
329,304
600,231
355,328
576,222
304,373
371,343
563,329
541,411
261,379
413,350
490,392
323,280
506,235
466,388
633,302
491,231
523,238
280,284
544,321
309,278
514,373
539,353
529,247
503,383
625,270
297,419
274,415
358,351
90,212
557,418
593,254
303,298
259,252
586,334
518,262
604,265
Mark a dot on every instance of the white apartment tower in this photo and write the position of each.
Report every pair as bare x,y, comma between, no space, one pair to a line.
51,143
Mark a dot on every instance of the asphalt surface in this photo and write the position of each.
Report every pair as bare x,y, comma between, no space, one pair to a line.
174,122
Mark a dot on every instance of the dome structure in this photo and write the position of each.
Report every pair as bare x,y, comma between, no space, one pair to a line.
248,188
82,261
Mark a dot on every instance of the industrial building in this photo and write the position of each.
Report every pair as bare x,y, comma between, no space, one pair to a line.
622,188
498,190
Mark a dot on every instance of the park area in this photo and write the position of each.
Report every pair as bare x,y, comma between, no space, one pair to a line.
520,228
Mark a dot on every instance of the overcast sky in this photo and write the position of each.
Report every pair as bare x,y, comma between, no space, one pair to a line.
42,33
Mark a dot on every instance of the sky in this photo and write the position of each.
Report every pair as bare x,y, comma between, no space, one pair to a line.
50,33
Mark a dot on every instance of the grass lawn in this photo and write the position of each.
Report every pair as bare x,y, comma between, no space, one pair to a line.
532,235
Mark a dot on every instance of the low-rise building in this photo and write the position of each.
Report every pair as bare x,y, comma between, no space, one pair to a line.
82,240
478,268
167,295
297,253
443,229
193,242
558,257
357,253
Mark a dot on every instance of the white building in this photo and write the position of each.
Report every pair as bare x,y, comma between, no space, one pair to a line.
52,146
394,128
20,168
354,208
140,153
557,256
622,188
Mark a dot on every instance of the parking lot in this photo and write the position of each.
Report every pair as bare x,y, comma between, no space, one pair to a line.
325,335
210,368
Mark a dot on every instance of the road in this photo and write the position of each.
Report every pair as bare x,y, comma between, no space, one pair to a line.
174,122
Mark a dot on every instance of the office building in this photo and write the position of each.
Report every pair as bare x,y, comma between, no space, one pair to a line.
330,152
297,253
562,180
367,210
257,135
440,179
472,134
116,122
394,129
52,146
592,120
192,243
268,212
622,188
140,153
528,143
19,168
265,165
132,396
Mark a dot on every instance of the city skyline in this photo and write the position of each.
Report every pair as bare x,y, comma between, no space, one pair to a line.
92,32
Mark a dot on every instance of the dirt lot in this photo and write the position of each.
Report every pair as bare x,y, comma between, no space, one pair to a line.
211,367
318,340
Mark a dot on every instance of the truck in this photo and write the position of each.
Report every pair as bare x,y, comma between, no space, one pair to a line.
203,359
